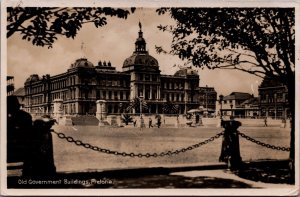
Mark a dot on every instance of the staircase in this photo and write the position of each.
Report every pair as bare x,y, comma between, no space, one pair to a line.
85,120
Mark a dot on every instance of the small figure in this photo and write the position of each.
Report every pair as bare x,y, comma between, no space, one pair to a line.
266,122
150,123
158,122
134,123
283,122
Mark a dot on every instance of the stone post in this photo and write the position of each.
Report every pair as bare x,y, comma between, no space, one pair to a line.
57,109
101,112
230,152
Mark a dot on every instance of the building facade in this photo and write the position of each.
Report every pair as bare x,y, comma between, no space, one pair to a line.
10,87
273,99
207,99
234,104
83,84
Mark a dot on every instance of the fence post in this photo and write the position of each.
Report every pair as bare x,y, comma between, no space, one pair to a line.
230,151
39,162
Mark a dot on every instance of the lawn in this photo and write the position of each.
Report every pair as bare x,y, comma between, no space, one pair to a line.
71,158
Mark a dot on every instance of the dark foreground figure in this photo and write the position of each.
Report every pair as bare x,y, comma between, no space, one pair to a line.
29,141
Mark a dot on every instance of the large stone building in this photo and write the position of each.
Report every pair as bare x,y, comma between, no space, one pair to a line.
83,84
273,99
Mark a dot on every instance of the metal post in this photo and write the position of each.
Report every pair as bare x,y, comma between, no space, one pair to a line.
141,114
206,101
220,102
101,111
275,105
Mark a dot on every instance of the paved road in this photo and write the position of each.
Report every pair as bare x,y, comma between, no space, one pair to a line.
69,157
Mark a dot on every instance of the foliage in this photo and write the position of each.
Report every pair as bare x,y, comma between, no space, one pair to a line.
170,108
126,118
259,41
41,25
135,104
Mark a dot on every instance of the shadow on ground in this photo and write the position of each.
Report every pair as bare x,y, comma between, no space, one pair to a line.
270,171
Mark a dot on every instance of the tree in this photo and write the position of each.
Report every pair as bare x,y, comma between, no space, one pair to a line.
170,108
136,104
259,41
42,25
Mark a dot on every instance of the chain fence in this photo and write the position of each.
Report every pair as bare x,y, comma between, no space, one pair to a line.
139,155
165,153
263,144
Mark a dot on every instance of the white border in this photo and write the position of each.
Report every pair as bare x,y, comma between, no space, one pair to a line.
142,3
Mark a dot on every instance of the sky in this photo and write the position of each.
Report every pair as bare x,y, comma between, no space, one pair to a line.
115,42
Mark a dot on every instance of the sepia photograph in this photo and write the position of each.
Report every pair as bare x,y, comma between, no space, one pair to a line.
153,99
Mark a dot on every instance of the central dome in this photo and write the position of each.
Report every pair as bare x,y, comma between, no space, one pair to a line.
140,56
140,59
82,62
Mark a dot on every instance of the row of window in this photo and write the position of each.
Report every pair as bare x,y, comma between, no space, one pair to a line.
117,83
173,97
37,100
174,86
147,77
112,95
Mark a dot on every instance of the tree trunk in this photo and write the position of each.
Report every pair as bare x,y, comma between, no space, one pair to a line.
291,99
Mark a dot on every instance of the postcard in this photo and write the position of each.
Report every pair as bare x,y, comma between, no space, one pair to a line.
149,98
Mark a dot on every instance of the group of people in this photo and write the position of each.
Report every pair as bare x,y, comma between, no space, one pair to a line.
150,123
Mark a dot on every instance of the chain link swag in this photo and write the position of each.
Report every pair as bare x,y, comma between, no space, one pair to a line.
140,155
263,144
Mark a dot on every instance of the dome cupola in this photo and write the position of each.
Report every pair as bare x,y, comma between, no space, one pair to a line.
140,43
140,57
82,62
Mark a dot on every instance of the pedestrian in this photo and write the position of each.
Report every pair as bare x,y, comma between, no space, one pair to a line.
150,123
266,121
158,122
283,122
134,123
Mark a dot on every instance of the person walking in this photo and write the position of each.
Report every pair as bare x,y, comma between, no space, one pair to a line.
134,123
266,122
150,123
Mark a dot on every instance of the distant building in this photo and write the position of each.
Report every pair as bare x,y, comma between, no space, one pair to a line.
234,104
273,99
10,87
251,107
20,94
83,84
207,99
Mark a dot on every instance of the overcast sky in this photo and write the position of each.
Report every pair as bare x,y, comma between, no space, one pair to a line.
114,42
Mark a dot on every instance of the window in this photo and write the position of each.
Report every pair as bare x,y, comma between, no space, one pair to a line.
104,94
154,78
147,77
121,95
116,95
109,95
98,94
108,83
